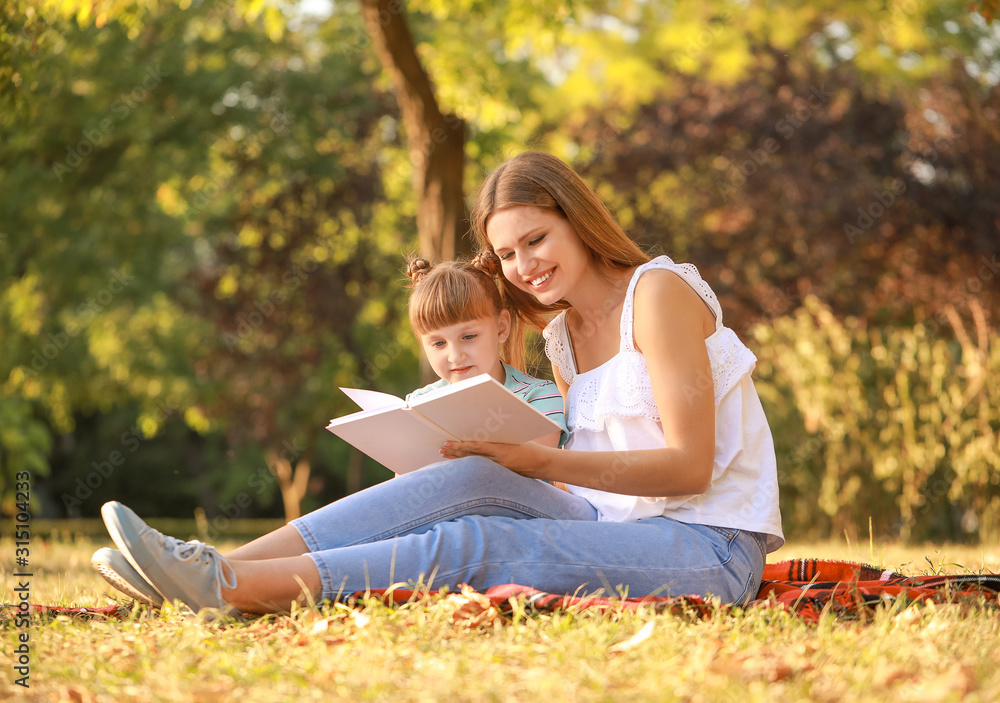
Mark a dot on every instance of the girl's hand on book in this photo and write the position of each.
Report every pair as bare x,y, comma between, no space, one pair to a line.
525,459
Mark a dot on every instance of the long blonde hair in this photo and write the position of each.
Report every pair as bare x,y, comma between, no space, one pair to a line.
451,292
542,180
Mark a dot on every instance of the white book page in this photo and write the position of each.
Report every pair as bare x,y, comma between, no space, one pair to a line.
399,439
482,409
373,400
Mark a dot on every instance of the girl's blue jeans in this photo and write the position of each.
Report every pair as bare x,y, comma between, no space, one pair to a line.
473,521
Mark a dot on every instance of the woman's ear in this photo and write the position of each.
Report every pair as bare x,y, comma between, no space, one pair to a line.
503,323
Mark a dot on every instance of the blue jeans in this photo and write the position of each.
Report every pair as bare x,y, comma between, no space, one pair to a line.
472,521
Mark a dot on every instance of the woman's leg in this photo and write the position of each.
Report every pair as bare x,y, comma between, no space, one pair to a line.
415,502
658,556
470,521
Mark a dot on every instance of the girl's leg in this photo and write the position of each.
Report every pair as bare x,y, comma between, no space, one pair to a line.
272,585
415,502
283,542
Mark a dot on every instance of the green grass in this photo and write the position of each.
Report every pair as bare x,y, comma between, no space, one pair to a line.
420,652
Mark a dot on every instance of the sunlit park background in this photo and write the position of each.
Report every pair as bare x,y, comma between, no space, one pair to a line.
205,207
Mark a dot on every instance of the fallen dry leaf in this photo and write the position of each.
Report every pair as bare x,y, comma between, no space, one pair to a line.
471,608
890,675
74,694
955,682
320,626
777,667
641,636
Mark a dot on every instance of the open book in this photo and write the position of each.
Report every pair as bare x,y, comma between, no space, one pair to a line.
405,437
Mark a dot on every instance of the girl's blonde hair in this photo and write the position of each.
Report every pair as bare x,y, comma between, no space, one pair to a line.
451,292
540,179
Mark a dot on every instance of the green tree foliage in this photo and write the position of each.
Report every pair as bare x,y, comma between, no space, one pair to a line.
206,203
83,245
901,425
205,235
295,271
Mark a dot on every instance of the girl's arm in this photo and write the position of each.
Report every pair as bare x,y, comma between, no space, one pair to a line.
670,326
549,440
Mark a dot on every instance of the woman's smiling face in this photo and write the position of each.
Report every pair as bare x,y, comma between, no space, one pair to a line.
539,251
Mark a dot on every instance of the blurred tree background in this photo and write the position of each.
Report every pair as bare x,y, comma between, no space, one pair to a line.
205,207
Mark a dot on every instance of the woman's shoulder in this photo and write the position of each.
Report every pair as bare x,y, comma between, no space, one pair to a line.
657,286
557,348
555,326
664,284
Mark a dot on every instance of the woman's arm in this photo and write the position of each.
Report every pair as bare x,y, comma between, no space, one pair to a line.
670,326
563,390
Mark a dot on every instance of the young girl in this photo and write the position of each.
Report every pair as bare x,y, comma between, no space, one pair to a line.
671,467
456,312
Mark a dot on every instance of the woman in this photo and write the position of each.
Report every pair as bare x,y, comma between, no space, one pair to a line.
670,469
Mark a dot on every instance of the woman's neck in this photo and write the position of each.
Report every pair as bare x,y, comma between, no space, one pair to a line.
600,293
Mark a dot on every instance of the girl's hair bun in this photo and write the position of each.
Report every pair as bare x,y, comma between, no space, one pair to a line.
417,268
487,262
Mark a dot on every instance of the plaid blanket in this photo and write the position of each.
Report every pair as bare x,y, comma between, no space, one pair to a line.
850,590
805,587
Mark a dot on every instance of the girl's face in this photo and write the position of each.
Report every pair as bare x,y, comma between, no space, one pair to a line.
469,348
539,251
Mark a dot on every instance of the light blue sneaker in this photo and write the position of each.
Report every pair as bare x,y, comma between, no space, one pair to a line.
191,572
114,567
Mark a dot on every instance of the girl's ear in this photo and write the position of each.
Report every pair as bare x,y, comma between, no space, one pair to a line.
503,323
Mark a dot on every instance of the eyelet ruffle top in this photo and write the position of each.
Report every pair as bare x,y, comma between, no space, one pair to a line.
611,408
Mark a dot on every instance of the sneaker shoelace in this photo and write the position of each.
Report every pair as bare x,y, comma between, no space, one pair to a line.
195,550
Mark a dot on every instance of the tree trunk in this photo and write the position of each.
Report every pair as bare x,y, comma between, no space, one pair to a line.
292,480
354,471
436,141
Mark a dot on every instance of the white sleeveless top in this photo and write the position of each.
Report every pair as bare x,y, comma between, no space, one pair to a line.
611,408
